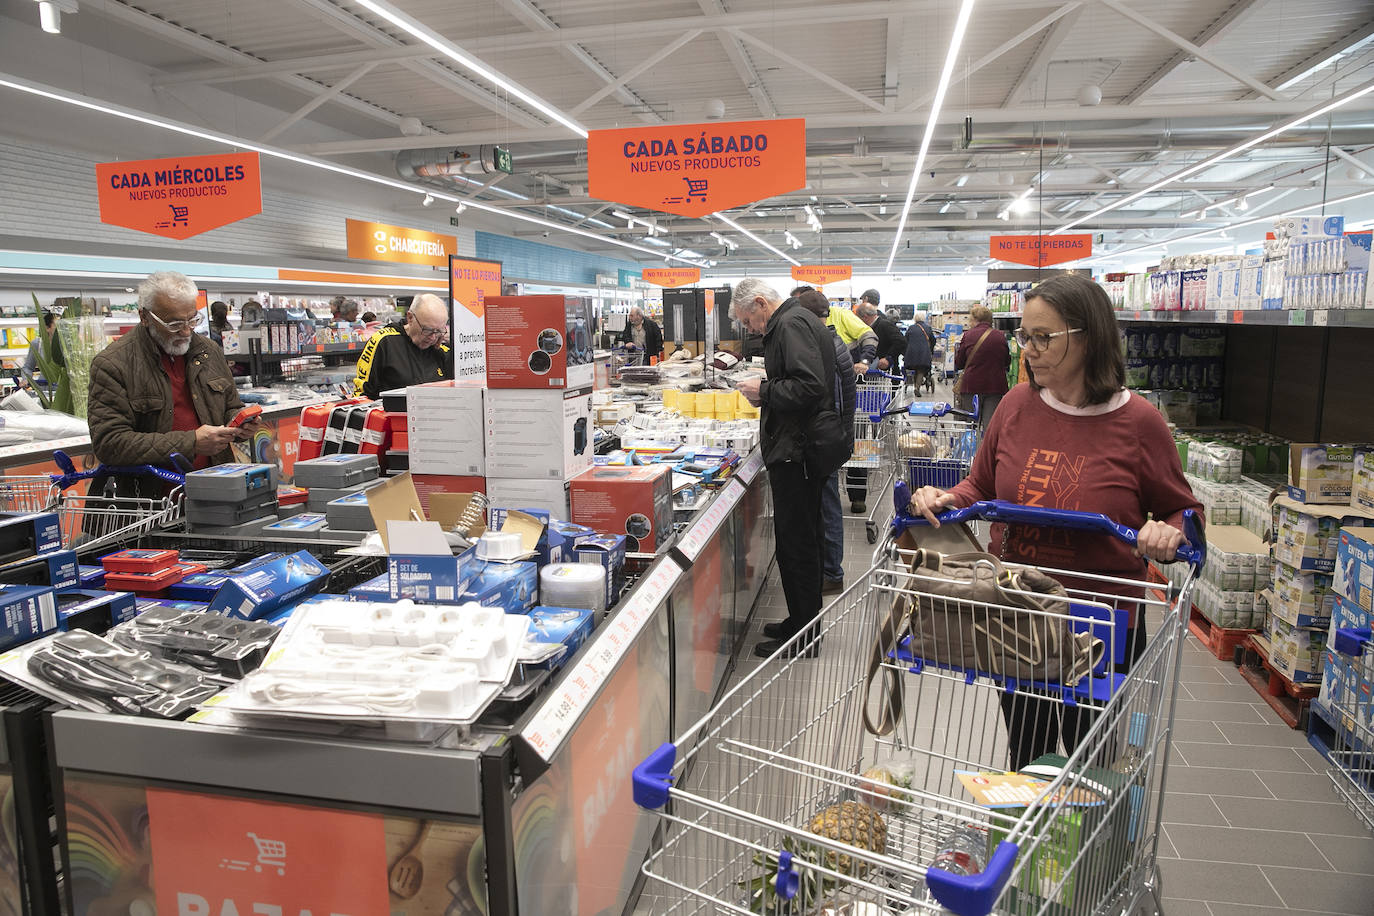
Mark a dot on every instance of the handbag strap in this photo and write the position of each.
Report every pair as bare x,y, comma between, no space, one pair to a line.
976,346
889,630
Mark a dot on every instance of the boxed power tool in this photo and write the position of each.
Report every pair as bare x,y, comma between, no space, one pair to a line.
567,626
335,472
444,428
513,587
91,576
260,591
231,483
539,435
378,588
26,612
609,551
149,583
542,341
27,534
139,561
200,587
634,501
94,610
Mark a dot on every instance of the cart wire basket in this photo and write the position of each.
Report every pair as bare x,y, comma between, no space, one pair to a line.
876,398
1350,708
767,804
936,443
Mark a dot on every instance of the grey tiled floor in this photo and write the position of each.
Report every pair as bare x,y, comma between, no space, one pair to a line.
1251,826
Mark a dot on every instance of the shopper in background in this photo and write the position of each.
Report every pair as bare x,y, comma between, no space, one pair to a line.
162,388
984,358
1074,438
920,350
796,358
891,341
832,515
407,352
41,345
219,321
642,335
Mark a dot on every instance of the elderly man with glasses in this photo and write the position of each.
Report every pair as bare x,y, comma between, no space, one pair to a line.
162,388
409,352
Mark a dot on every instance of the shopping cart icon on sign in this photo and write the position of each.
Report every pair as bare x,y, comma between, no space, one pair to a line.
696,187
271,853
180,217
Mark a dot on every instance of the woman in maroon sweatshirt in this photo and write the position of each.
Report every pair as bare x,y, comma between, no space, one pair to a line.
984,358
1074,437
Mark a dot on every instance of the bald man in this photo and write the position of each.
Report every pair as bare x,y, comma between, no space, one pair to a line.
409,352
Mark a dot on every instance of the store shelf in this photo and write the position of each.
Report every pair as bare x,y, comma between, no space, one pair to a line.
1300,318
14,353
23,321
314,350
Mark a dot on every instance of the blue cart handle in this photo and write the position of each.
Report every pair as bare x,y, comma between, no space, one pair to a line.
887,375
71,476
1193,551
932,409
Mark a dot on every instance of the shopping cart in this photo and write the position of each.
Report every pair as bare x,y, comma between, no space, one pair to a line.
875,445
91,518
935,442
764,807
1350,707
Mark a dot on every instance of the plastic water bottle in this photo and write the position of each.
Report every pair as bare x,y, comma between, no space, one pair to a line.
964,851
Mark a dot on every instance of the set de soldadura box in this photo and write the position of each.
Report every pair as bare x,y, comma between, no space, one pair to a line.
437,578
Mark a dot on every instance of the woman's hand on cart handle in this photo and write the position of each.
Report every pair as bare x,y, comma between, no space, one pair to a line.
929,500
1158,541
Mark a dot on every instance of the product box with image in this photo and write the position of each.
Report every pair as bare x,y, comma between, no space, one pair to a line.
1306,536
538,435
58,569
26,612
609,551
542,342
200,587
433,578
231,483
1347,615
634,501
1295,652
27,534
1362,480
566,626
94,610
266,587
378,588
1300,598
513,587
1321,474
1354,574
444,428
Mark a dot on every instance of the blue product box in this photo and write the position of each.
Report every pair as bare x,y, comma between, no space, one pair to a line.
437,578
566,625
25,534
1354,574
94,610
609,551
26,612
91,576
147,604
256,562
1347,615
260,591
200,587
513,587
559,541
497,516
377,588
57,569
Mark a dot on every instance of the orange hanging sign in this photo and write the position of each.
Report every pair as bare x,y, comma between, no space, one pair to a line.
380,242
264,857
672,276
1040,250
821,274
696,169
179,197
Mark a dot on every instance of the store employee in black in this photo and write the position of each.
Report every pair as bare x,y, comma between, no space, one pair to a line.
409,352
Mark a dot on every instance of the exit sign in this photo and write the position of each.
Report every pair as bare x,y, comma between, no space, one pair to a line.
500,159
453,220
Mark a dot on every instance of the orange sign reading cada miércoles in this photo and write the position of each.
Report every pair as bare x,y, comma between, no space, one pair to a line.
696,169
821,274
179,197
380,242
672,276
1040,250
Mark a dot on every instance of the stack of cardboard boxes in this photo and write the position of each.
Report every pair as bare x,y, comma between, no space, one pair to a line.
1348,683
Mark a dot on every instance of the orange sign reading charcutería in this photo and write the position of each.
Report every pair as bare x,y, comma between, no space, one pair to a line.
181,197
672,276
1040,250
821,274
696,169
380,242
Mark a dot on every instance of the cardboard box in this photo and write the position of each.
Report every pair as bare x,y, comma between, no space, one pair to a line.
1362,480
1320,474
26,613
1301,599
609,551
444,423
540,342
200,587
94,610
567,626
438,578
1354,573
58,569
27,534
1295,652
539,435
1346,614
634,501
550,496
1306,536
513,587
378,588
426,485
267,587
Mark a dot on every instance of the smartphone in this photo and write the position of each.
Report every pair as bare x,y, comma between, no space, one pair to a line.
246,415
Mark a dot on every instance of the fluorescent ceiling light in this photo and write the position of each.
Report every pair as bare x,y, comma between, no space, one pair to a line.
1341,100
957,39
963,180
49,17
747,234
468,62
57,95
945,208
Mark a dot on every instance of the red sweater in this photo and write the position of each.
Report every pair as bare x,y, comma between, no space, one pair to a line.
1123,464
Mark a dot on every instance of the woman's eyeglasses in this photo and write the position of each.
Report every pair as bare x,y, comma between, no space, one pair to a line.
1040,340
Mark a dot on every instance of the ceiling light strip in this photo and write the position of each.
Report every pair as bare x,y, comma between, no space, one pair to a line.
22,85
468,62
1345,99
745,232
957,39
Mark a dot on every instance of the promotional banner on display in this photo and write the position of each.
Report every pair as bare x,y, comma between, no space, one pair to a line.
696,169
180,197
1040,250
672,276
821,274
470,282
398,245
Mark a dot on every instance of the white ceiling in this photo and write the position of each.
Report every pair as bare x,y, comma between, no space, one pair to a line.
1180,80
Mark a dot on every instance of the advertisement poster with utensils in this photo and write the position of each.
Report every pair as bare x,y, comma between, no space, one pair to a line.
470,283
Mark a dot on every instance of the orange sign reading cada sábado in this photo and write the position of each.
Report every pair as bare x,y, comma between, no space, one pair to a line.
380,242
696,169
672,276
180,197
821,274
1040,250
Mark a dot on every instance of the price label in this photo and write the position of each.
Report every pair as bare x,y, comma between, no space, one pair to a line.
751,467
1238,317
1297,317
1221,316
551,725
1320,318
700,534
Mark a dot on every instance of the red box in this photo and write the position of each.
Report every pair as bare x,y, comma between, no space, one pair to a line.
394,421
542,342
139,561
426,484
400,441
143,583
634,501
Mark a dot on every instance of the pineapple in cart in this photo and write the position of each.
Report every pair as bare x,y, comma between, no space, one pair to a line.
850,822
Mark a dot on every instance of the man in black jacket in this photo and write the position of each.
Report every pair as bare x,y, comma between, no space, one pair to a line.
797,358
642,334
891,341
408,353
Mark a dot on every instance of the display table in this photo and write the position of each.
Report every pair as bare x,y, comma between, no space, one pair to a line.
532,815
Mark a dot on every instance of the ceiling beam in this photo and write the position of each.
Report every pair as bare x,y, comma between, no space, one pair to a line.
620,81
332,92
735,53
1039,64
1218,27
808,70
892,67
1201,54
1356,35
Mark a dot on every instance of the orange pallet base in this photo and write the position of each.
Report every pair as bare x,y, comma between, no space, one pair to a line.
1289,700
1221,642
